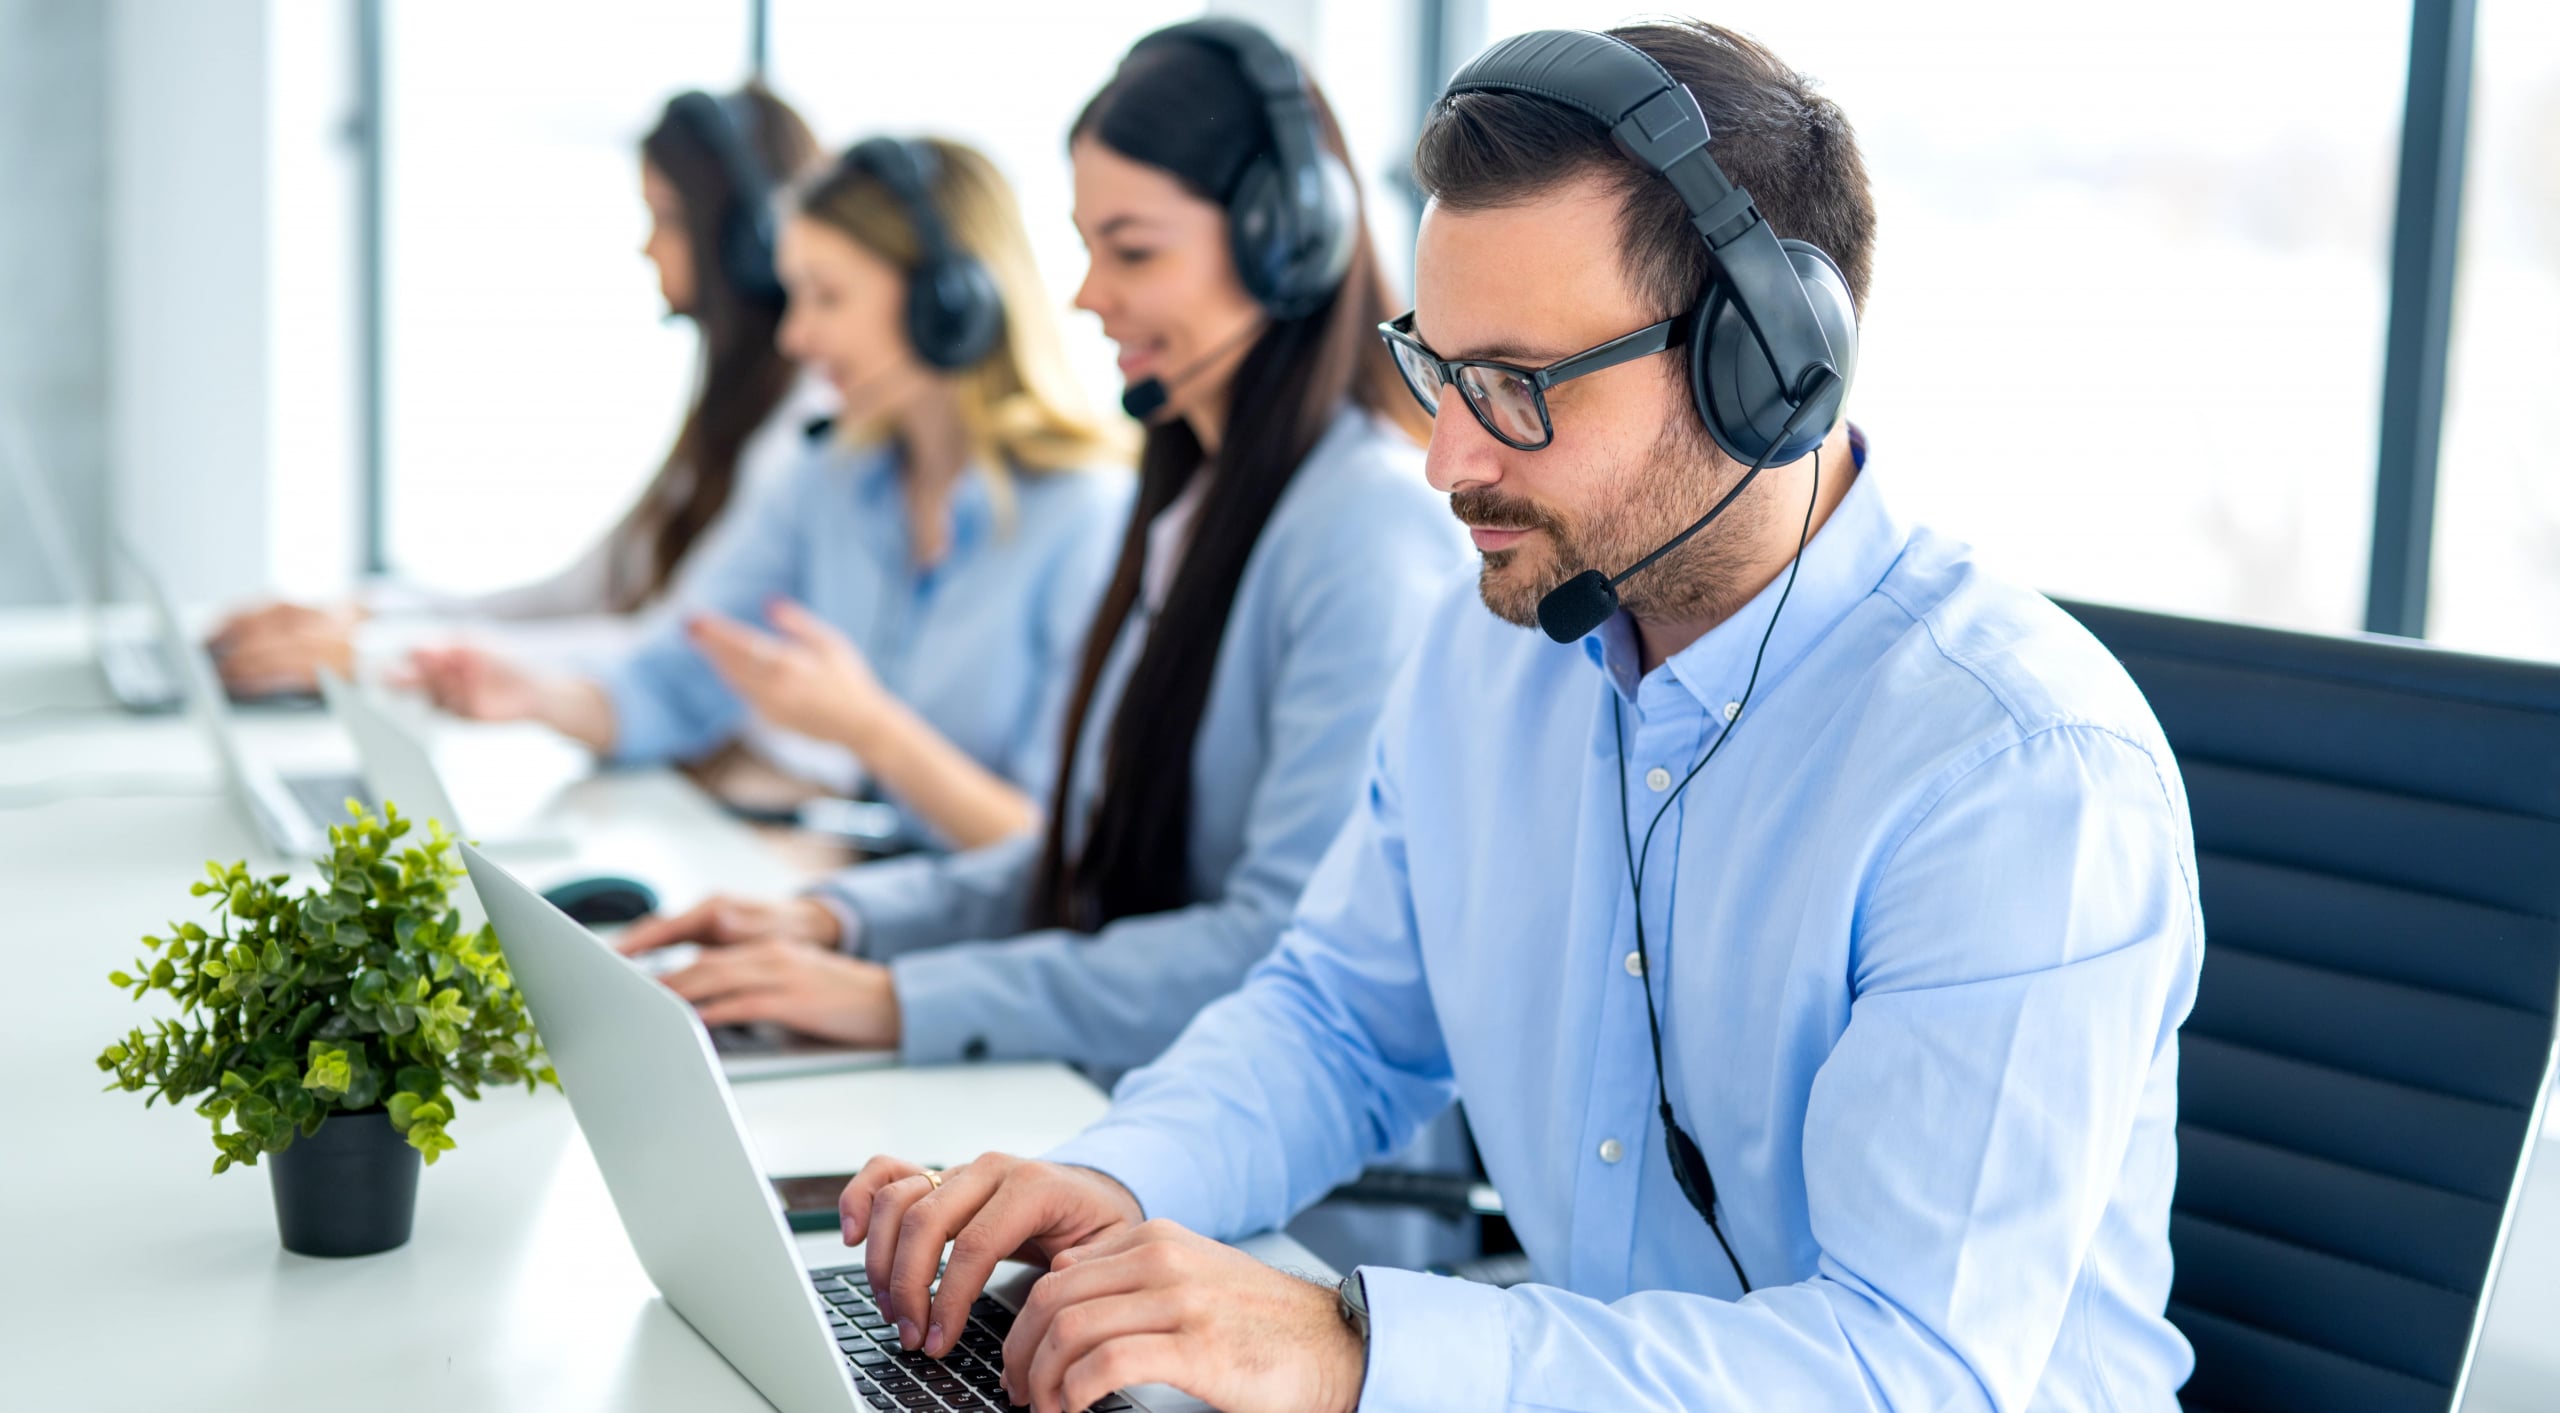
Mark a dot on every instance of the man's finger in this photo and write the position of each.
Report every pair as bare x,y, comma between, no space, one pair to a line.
967,1195
853,1205
1077,1330
883,1236
1130,1359
1052,1296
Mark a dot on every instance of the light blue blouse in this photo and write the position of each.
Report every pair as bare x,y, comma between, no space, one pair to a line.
976,644
1334,596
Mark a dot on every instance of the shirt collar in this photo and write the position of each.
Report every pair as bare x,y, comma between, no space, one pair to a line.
1845,561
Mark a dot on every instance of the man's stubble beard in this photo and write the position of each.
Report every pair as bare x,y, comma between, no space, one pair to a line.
1674,483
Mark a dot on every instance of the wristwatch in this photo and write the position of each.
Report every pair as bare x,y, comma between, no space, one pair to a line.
1353,1294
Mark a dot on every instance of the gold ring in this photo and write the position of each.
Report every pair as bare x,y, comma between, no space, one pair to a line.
934,1176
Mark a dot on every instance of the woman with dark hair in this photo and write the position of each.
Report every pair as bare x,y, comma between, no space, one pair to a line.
1279,564
708,168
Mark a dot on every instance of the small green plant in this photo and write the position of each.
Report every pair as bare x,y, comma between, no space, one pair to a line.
362,993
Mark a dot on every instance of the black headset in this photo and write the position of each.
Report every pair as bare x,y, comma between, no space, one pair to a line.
1293,215
954,310
726,126
1776,311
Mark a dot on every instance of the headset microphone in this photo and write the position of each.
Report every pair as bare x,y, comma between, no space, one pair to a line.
1584,602
1146,397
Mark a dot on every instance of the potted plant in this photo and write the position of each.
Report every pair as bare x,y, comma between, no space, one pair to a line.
332,1029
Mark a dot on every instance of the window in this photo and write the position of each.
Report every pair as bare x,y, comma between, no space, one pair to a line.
2126,330
1010,88
532,388
2497,540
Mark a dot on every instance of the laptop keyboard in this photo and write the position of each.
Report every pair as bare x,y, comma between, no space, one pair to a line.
324,797
889,1377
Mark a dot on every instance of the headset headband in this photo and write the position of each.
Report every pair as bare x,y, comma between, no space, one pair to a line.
1276,80
908,168
746,225
1657,123
724,125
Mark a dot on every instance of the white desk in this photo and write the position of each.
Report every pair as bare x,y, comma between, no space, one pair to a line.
136,1280
130,1277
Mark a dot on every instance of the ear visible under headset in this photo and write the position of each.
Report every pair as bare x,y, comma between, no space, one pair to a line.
1730,379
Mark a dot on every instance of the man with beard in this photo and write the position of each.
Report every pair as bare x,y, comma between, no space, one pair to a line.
1809,942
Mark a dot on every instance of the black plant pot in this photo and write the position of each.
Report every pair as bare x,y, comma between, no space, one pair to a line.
349,1190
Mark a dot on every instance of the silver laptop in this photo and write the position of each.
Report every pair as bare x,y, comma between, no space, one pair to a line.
290,815
398,766
692,1196
133,662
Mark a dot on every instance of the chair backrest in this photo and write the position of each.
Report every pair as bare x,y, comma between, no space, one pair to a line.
2378,834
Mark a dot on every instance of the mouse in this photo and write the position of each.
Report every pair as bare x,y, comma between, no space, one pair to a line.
602,900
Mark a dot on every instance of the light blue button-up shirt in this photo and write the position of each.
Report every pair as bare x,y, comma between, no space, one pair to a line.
1932,928
975,644
1334,595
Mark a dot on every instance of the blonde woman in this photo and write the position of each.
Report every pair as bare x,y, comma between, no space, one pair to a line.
927,572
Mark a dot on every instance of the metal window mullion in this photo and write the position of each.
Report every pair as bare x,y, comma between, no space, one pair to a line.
2434,135
372,331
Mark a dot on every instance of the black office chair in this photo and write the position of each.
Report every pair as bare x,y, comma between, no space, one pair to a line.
2378,837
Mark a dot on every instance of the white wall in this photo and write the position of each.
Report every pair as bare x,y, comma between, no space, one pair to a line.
53,274
187,163
232,229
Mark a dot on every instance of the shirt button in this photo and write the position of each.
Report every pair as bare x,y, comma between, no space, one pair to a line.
1732,710
1657,780
1635,963
1611,1150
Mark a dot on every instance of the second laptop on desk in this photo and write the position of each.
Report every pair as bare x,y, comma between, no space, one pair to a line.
399,767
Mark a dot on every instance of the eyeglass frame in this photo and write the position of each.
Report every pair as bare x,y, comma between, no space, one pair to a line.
1653,338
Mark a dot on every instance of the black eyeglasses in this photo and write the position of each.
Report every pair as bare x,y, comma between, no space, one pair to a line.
1509,400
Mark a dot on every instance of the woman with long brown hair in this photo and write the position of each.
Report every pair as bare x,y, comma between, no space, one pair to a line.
1283,554
927,569
708,170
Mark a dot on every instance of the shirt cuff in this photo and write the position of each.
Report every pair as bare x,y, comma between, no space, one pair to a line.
944,1015
848,922
1435,1342
1155,1167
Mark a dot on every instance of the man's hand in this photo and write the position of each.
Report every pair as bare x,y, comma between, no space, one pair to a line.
727,921
816,993
997,1208
810,679
1157,1304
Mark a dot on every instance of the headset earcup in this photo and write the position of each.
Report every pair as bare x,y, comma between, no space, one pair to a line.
1291,247
954,312
1730,381
746,257
1258,235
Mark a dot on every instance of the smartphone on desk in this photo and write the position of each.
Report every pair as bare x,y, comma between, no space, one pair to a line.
809,1203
